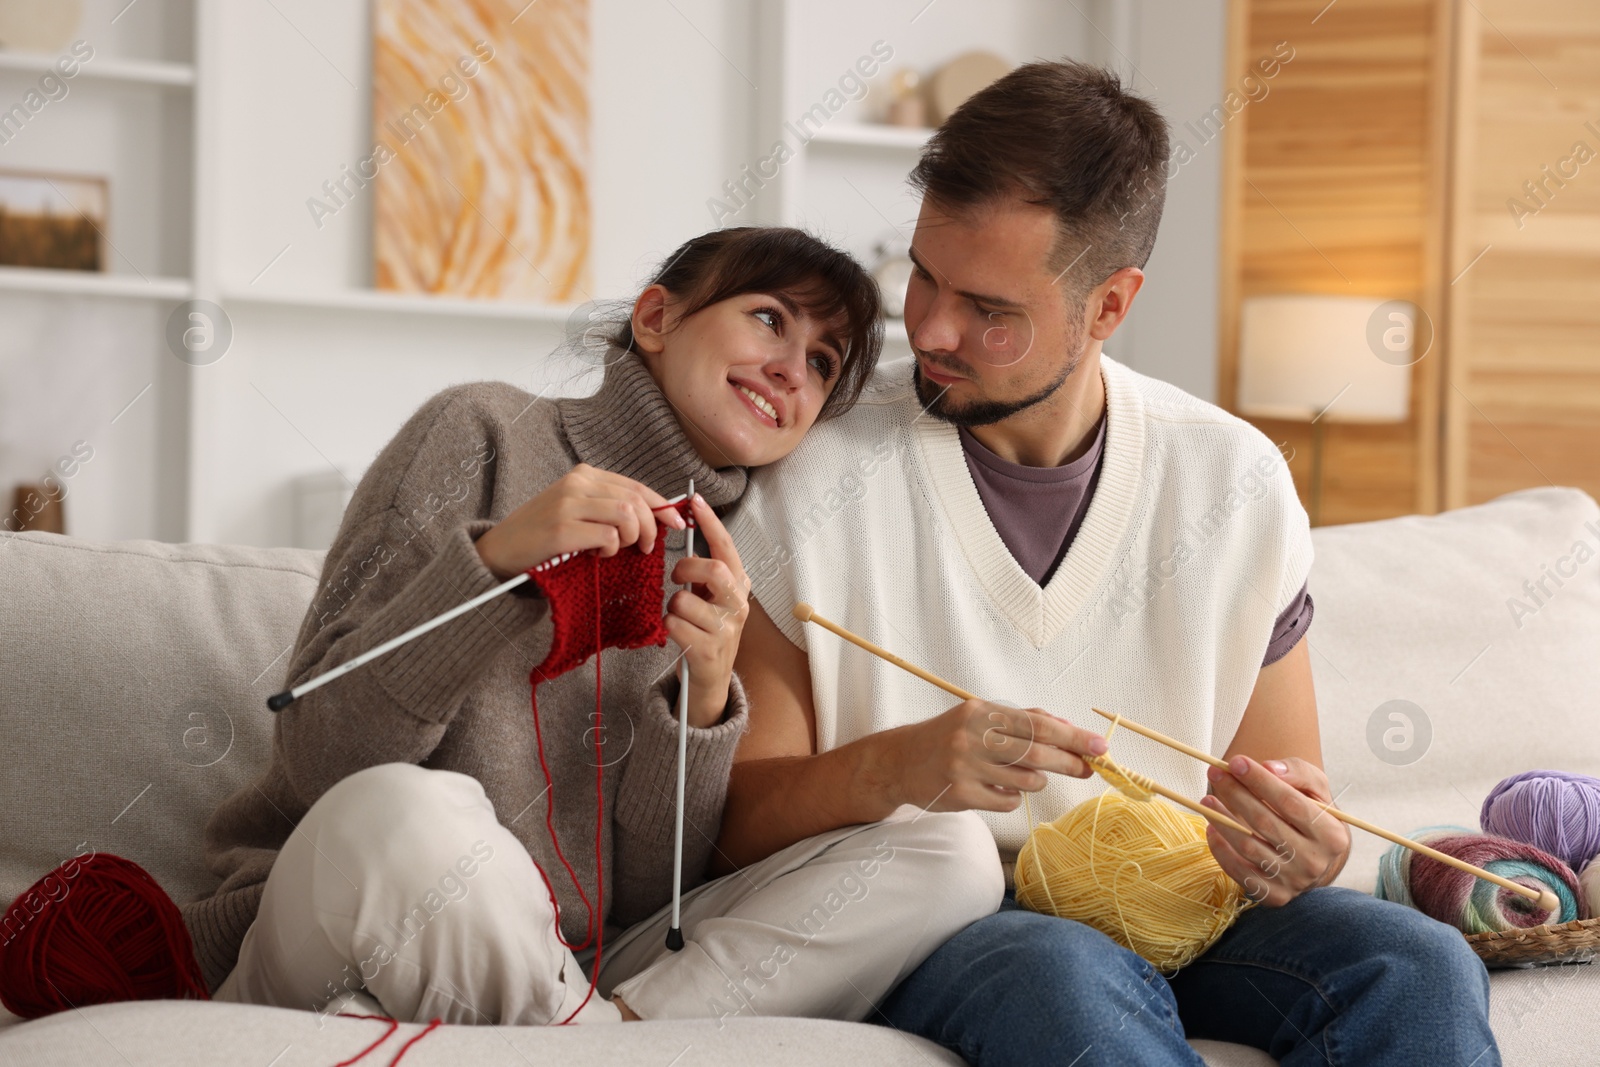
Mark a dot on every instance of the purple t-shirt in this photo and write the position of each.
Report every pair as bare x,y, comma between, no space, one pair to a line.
1037,512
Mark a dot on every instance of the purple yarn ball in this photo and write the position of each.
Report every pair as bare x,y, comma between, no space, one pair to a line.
1556,811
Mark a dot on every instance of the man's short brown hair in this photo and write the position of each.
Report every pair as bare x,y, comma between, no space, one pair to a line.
1066,136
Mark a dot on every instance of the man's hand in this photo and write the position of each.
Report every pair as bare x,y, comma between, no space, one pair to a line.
1296,846
977,755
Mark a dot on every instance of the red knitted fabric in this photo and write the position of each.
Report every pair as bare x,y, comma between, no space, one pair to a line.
598,603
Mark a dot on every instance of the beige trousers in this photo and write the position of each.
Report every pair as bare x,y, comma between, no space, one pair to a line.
400,892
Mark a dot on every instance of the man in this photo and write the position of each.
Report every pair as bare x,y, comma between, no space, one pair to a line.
1039,524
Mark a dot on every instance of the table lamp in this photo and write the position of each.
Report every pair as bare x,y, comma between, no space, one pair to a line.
1320,358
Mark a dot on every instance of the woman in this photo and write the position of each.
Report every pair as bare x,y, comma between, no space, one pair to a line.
351,870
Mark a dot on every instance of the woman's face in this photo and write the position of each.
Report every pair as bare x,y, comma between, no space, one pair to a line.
746,376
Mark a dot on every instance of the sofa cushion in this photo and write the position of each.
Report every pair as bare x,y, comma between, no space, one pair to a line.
1424,610
135,680
185,1033
1543,1017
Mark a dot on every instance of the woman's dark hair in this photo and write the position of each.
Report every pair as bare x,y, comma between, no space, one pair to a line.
1069,137
828,283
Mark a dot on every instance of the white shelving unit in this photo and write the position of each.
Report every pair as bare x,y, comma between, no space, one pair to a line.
381,302
128,71
88,283
86,350
868,135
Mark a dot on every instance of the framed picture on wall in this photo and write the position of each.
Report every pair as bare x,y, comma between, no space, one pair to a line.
52,220
480,122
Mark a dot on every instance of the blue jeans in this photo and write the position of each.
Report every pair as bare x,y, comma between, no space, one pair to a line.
1334,978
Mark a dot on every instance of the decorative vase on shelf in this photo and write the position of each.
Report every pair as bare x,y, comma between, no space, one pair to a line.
38,25
35,508
892,271
958,79
906,105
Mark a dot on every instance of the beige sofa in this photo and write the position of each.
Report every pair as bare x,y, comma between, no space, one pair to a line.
132,699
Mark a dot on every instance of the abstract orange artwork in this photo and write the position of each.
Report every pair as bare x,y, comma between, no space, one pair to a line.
481,148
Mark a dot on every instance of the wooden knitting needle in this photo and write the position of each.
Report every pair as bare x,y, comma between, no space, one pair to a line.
1170,742
805,613
1545,899
1145,782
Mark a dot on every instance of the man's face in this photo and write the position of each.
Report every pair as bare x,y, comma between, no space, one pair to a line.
992,326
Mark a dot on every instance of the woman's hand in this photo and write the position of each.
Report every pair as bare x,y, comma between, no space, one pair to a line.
1296,845
707,619
586,508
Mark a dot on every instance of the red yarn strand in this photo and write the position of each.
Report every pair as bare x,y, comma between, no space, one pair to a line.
394,1024
433,1025
599,809
555,841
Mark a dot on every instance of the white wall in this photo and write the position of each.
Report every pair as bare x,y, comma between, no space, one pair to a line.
1179,47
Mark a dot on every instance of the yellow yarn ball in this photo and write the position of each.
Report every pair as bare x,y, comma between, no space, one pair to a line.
1140,872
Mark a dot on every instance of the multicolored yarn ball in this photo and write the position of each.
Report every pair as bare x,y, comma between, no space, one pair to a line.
1140,872
1557,811
95,930
1469,903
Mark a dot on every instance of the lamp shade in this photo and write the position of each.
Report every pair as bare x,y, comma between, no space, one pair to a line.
1304,354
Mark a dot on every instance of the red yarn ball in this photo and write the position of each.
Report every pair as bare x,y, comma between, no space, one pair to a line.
95,930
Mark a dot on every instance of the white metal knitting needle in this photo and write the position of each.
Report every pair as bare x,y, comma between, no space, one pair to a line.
279,701
675,931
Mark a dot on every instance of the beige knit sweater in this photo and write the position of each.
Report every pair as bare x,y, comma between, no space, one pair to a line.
458,698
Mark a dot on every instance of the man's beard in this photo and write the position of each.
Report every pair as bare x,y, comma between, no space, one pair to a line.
986,412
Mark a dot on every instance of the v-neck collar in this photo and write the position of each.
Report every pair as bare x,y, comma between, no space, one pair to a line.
1040,613
978,452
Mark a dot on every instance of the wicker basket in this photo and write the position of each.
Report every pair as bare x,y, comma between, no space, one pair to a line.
1576,941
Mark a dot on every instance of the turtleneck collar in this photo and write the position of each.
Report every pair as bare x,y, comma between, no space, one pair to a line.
631,429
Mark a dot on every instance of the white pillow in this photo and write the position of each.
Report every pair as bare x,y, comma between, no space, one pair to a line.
1424,609
133,685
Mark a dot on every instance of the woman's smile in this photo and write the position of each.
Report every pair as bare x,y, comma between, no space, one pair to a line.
763,405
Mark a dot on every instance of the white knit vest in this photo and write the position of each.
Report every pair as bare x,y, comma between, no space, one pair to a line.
1161,610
